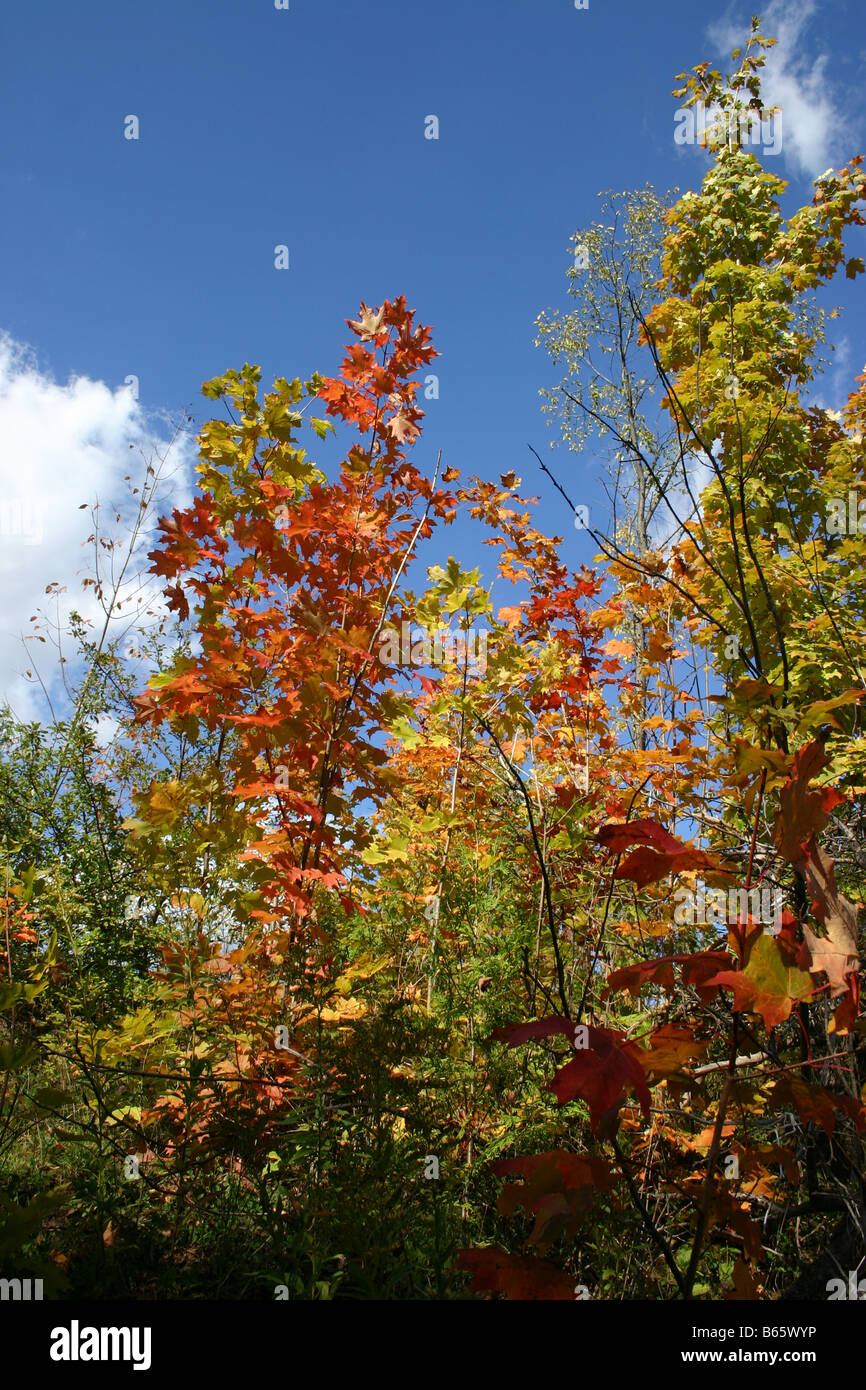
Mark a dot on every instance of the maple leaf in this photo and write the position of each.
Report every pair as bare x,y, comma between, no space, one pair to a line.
696,970
755,1162
633,977
616,647
599,1077
821,712
369,322
401,427
832,955
519,1277
558,1189
569,1169
803,813
854,1109
516,1033
646,866
658,847
699,969
669,1048
177,601
836,954
748,759
513,616
812,1103
660,853
769,985
604,1066
727,1210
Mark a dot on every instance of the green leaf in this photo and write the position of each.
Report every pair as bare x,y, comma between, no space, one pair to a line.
50,1098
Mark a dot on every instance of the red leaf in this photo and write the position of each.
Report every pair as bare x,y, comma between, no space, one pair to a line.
697,969
600,1071
517,1276
645,866
803,813
600,1078
618,837
698,972
558,1189
632,977
660,854
516,1033
558,1167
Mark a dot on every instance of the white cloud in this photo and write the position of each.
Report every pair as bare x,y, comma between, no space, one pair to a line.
832,390
61,446
817,130
683,497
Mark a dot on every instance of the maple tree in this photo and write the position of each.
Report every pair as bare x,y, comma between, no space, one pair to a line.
731,338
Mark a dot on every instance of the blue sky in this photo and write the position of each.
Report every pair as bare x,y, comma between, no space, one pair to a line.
155,257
